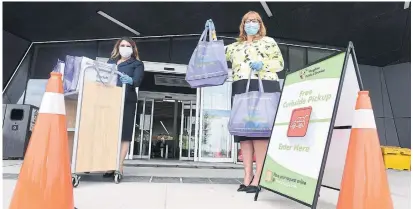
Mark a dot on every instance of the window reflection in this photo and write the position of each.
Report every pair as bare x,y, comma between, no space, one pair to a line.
35,90
297,58
317,54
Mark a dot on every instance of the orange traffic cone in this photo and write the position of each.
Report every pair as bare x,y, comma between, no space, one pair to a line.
364,184
45,177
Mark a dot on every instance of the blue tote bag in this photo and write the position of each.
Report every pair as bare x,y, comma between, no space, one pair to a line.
68,73
253,112
208,65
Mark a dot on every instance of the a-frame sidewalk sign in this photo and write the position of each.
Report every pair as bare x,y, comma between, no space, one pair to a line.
311,131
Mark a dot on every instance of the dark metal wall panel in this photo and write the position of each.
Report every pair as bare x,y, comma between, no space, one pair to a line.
387,110
381,130
14,49
370,75
390,89
398,83
392,138
397,79
404,131
407,41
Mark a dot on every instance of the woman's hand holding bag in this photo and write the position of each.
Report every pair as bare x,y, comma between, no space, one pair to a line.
256,66
208,65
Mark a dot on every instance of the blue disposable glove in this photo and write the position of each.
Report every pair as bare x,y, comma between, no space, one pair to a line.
256,66
125,79
207,23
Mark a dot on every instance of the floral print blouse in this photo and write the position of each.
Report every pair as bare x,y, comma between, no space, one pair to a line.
240,54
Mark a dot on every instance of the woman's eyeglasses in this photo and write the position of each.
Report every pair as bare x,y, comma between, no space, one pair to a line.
252,21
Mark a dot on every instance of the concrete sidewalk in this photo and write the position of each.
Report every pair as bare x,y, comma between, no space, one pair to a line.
189,188
102,195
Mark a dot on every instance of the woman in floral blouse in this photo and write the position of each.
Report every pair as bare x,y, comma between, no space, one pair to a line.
254,51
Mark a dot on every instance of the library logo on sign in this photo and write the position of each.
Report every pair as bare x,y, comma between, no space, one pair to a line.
269,176
310,72
302,74
300,119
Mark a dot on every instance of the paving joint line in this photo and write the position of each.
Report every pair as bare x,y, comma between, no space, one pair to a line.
150,179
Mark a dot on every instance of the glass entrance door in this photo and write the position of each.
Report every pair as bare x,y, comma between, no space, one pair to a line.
216,144
187,132
141,145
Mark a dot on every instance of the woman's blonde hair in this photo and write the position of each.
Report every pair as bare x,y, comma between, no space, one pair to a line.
261,32
115,52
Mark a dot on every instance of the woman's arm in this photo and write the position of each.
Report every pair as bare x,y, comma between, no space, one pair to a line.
138,74
273,59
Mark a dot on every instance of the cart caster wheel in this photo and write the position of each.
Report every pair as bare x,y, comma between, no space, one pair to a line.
75,180
118,177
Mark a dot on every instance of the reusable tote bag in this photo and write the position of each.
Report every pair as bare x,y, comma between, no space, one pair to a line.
253,112
68,73
76,73
208,65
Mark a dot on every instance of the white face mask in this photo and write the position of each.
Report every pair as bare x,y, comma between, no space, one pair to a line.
125,52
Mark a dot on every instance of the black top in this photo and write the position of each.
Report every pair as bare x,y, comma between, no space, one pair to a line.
133,68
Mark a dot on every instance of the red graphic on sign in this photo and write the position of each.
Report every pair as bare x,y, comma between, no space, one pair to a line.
300,118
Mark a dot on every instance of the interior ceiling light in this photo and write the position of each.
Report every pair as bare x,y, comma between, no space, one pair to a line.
406,4
119,23
266,8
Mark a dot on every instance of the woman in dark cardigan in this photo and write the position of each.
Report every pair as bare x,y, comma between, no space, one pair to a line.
125,56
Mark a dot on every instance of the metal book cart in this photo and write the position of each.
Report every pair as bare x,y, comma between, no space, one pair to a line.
94,120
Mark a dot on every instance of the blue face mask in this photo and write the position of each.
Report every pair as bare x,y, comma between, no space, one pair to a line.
251,28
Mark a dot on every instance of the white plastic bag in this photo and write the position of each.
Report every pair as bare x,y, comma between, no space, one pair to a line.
97,71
